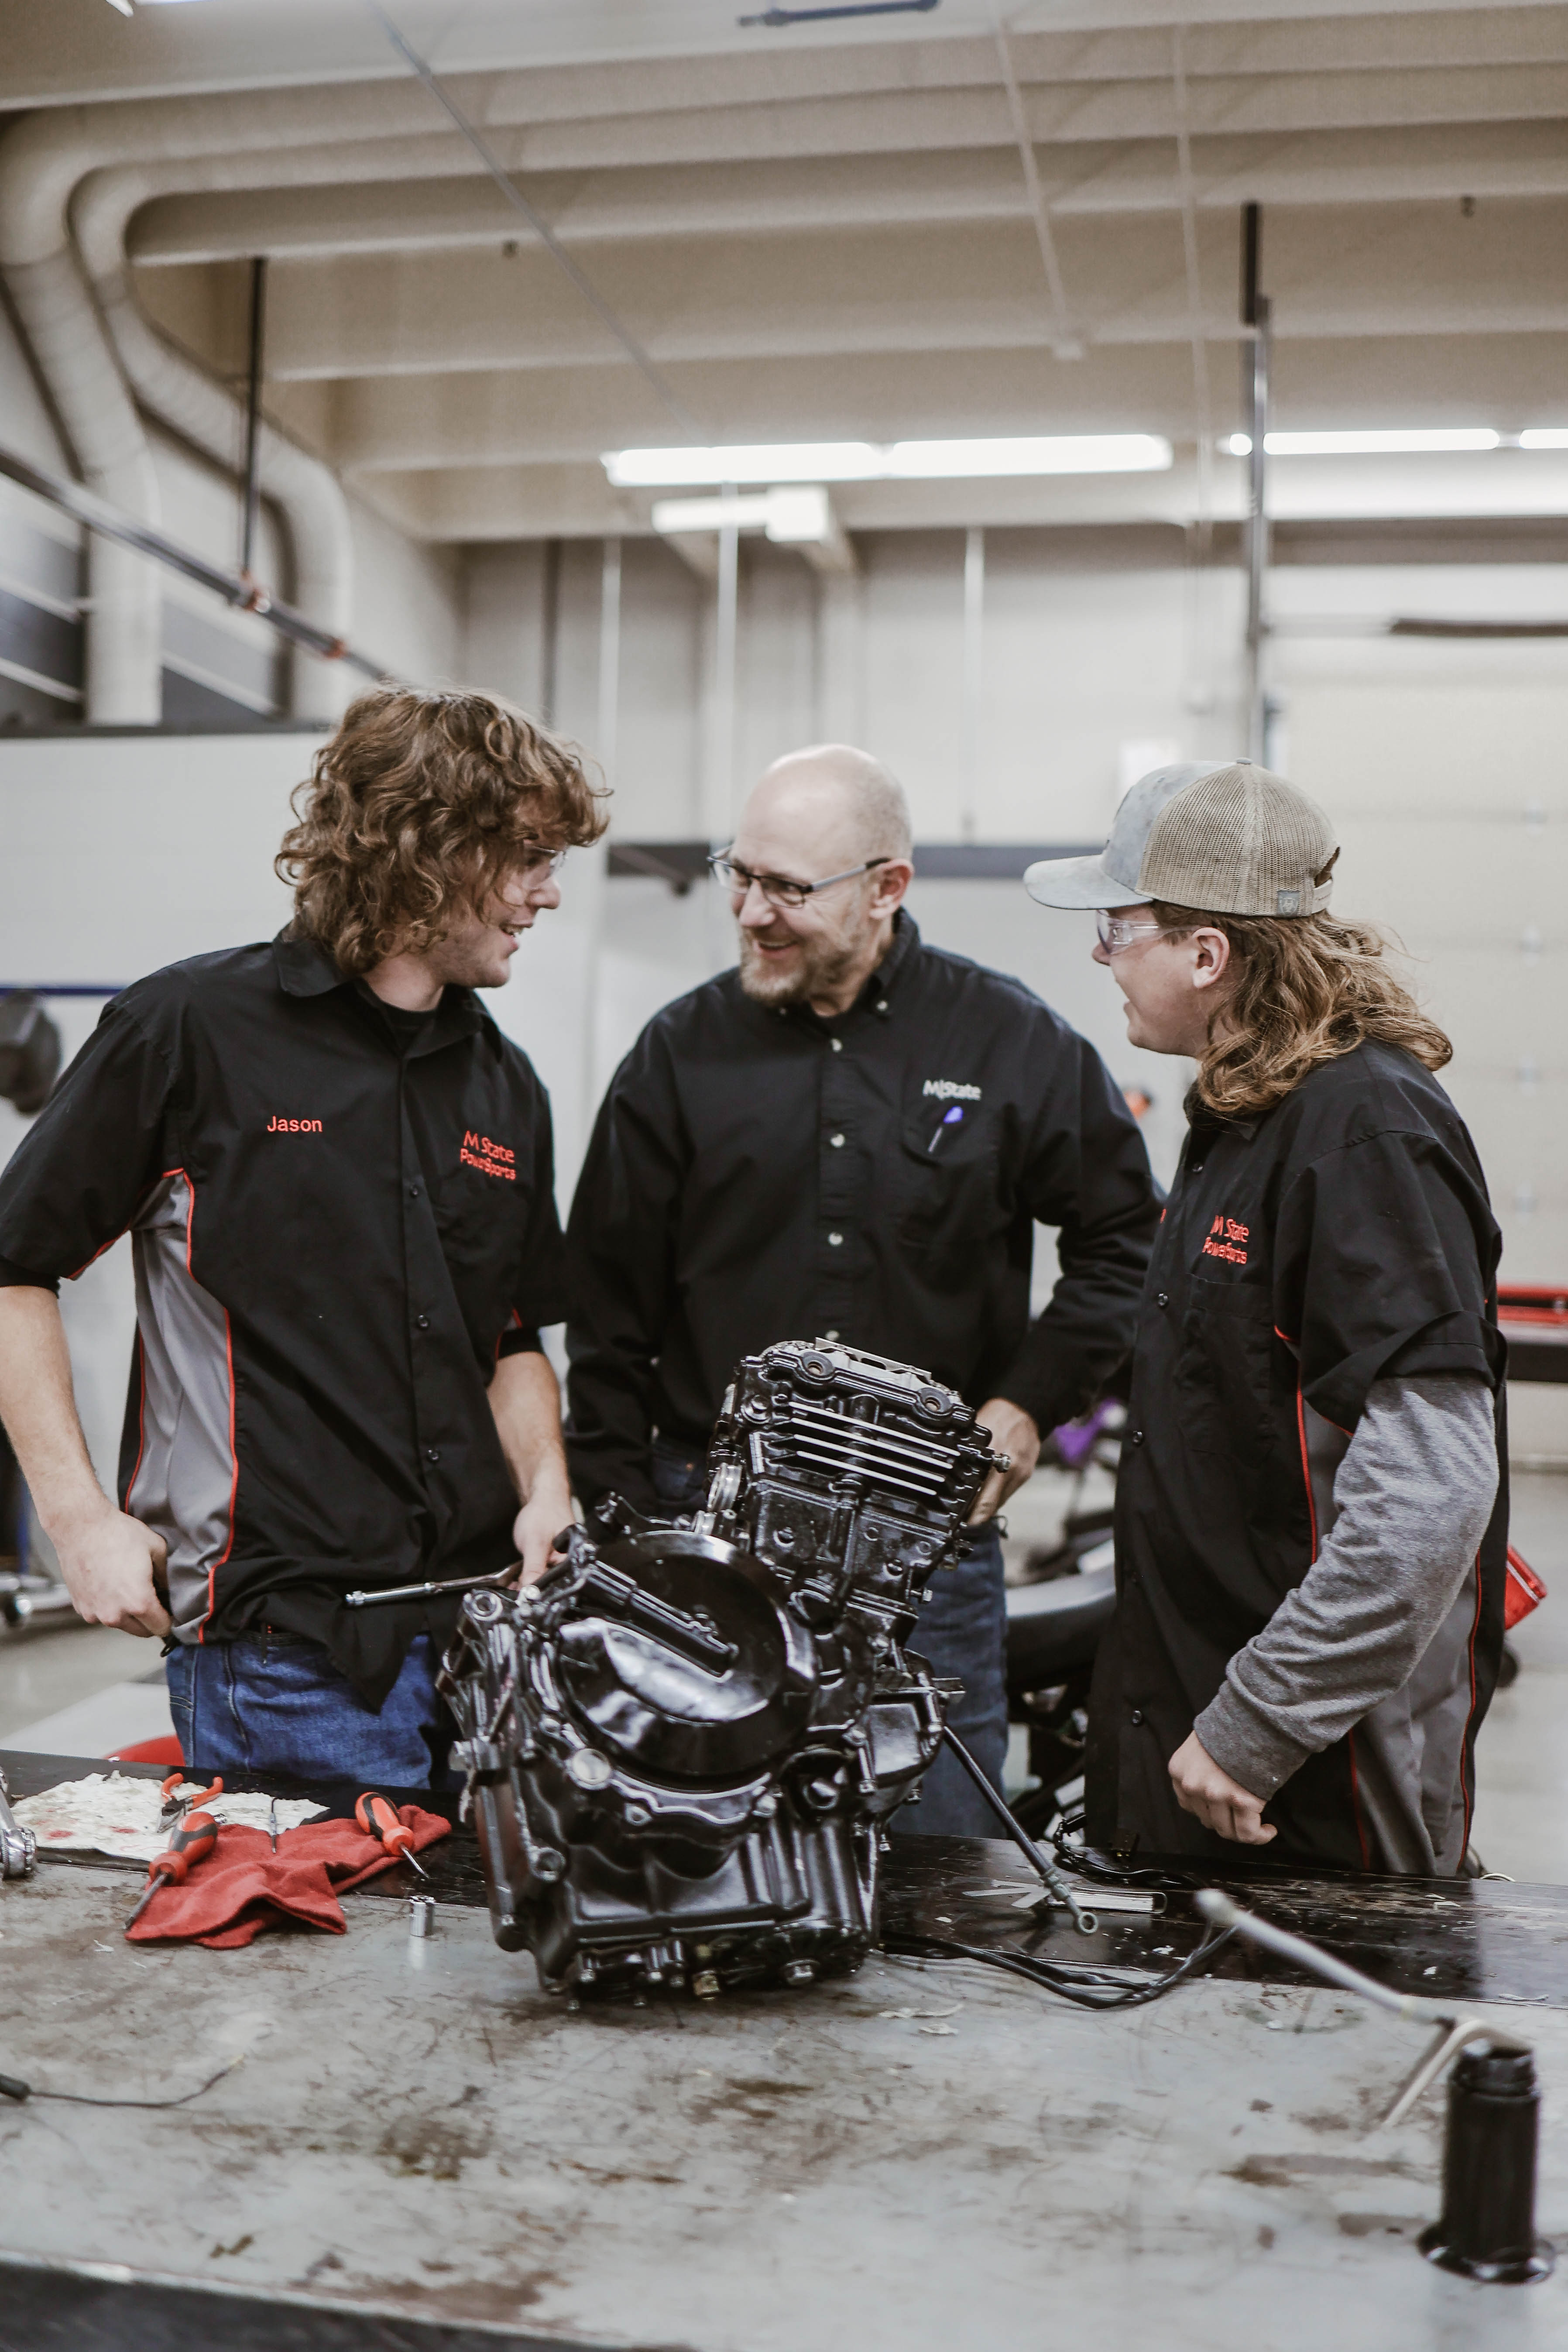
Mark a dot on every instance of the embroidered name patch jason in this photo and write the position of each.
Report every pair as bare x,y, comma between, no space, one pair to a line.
1227,1240
275,1126
489,1159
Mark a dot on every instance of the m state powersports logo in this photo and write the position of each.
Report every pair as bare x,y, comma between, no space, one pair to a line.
950,1090
489,1159
1225,1237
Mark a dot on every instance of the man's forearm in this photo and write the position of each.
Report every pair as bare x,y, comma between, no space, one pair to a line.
37,1404
110,1561
1414,1494
525,1398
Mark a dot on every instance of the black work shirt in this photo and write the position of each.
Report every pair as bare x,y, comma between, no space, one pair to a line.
757,1174
1341,1238
340,1224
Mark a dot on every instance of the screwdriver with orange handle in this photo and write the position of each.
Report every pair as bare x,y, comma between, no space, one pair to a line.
378,1820
193,1841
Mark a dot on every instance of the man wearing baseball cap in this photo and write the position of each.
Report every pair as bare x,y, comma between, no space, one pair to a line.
1312,1513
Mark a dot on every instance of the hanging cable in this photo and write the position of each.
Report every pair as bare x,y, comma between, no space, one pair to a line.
540,227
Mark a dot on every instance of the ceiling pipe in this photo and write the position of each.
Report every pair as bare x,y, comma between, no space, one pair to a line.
173,388
43,158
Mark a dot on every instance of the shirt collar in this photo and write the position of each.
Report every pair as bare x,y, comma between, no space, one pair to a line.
305,968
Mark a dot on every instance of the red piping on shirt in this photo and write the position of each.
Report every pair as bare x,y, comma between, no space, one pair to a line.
233,1485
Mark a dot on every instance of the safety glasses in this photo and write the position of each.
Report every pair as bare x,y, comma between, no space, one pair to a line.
1119,931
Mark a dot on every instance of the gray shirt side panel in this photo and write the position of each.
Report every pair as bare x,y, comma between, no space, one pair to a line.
1377,1633
183,1482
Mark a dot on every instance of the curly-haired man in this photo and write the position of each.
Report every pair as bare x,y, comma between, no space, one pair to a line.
337,1177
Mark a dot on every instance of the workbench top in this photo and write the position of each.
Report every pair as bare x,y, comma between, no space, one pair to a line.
421,2149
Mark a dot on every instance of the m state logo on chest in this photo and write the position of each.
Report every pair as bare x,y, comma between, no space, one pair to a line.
1229,1240
490,1158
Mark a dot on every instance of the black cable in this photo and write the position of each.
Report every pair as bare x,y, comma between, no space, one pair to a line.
1104,1868
12,2088
1084,1985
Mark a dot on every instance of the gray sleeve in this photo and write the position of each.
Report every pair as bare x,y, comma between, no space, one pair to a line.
1413,1496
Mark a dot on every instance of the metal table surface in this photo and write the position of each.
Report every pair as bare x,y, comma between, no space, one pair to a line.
421,2149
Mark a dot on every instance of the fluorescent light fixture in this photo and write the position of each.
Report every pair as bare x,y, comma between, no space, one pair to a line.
677,515
796,515
1546,436
866,461
123,6
1405,442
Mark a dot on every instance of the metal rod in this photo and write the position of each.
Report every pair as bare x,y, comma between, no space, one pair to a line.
1256,316
496,1581
550,632
1083,1919
1065,341
973,677
726,635
112,522
540,226
252,508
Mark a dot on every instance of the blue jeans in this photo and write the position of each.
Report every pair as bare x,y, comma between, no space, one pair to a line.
961,1632
261,1705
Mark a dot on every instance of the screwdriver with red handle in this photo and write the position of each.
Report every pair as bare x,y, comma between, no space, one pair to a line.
193,1841
378,1820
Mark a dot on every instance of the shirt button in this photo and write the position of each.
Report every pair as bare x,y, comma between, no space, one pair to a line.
831,1335
423,1321
1137,1437
1137,1714
881,1005
413,1191
836,1141
835,1241
1196,1169
1162,1299
838,1045
431,1453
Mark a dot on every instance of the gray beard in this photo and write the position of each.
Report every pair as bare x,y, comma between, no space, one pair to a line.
820,969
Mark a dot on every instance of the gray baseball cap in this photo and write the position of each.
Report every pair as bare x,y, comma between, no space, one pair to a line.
1226,837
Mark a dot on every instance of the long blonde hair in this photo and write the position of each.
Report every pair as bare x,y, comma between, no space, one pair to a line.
1307,989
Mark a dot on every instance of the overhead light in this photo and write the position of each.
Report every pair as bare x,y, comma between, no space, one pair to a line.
123,6
867,461
1546,436
1408,441
796,514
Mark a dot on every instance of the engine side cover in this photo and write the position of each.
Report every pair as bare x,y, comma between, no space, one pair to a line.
681,1743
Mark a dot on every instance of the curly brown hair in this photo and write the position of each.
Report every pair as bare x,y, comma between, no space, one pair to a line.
421,804
1307,989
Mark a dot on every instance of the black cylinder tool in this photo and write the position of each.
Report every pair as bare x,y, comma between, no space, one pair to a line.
1487,2230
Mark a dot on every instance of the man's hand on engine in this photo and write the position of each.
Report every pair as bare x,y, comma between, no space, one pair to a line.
547,1510
1012,1432
1212,1796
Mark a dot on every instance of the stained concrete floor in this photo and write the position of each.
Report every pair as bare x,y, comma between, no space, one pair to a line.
78,1690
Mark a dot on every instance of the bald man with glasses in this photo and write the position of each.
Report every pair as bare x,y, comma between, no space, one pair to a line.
851,1136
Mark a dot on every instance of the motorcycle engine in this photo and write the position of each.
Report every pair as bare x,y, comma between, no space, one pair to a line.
681,1743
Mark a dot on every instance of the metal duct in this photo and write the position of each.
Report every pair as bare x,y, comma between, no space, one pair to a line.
43,158
183,396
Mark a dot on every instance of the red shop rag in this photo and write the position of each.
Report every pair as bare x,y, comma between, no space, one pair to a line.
244,1888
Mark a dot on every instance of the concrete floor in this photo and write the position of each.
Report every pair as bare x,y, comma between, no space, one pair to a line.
79,1690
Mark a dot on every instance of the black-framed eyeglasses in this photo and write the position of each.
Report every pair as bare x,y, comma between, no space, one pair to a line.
779,889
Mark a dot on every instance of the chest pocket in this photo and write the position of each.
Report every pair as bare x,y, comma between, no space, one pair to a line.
1226,1374
945,1202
